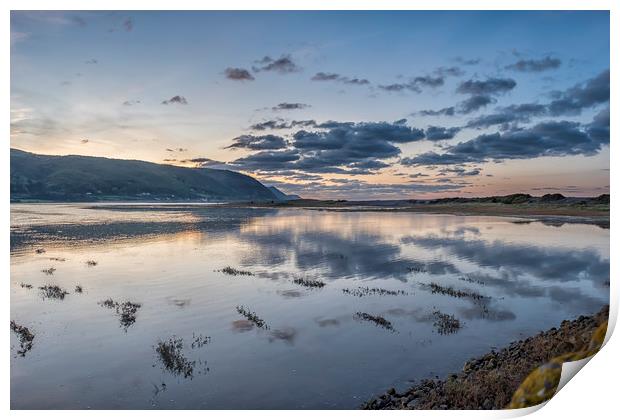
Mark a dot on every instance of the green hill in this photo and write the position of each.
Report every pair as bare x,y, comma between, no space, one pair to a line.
85,178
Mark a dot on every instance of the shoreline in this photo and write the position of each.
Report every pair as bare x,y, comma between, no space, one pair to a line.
489,382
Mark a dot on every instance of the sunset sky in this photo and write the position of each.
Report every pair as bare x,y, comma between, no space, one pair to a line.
326,104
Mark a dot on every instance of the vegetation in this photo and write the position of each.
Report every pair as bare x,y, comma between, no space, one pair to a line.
450,291
375,319
127,311
48,271
310,284
25,337
235,272
53,292
252,317
170,353
365,291
445,324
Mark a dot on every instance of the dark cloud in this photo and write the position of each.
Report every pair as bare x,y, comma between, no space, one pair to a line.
509,114
598,129
474,103
131,102
449,111
547,63
280,124
466,61
335,77
91,61
551,138
339,147
590,93
491,86
449,71
128,24
416,84
460,171
282,65
286,106
434,133
236,73
268,142
175,100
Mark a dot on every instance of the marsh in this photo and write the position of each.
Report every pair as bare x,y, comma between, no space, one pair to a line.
495,279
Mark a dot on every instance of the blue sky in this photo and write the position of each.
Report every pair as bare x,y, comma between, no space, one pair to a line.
182,87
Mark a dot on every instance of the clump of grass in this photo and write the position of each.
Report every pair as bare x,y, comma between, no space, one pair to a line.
53,292
25,285
200,340
375,319
58,259
78,289
126,311
450,291
472,281
235,272
365,291
310,284
91,263
445,323
416,269
25,337
40,251
170,353
48,271
252,317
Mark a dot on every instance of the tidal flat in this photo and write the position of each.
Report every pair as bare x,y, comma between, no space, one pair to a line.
172,335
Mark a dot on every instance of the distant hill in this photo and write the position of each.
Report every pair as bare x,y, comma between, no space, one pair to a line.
85,178
281,196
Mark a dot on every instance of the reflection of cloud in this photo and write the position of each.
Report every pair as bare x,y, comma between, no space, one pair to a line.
329,322
286,334
242,325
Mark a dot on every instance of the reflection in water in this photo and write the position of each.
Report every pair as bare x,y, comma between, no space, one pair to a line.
452,287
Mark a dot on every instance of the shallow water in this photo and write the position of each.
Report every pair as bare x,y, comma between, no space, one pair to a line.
511,277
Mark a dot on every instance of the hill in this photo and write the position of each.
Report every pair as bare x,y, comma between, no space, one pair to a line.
86,178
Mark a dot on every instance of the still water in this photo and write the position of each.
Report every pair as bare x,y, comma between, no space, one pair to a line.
501,278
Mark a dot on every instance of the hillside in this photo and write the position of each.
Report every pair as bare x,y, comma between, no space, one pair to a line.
85,178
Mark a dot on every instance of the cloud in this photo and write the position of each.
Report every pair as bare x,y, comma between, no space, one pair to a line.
474,103
434,133
449,111
590,93
546,63
131,102
449,71
467,61
175,100
91,61
338,147
285,106
280,124
416,84
509,114
491,86
282,65
551,138
128,24
328,77
235,73
268,142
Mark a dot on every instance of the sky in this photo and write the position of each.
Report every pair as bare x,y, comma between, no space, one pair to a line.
326,104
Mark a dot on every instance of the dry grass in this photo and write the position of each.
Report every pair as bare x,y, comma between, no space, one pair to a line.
25,337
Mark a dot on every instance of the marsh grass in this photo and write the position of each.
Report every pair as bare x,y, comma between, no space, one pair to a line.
375,319
445,324
78,289
91,263
170,353
450,291
198,341
25,337
235,272
252,317
25,285
40,250
310,284
126,311
48,271
365,291
58,259
52,291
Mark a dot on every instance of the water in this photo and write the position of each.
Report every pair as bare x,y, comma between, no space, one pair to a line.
316,352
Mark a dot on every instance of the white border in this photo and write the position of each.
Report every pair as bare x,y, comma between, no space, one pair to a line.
592,395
